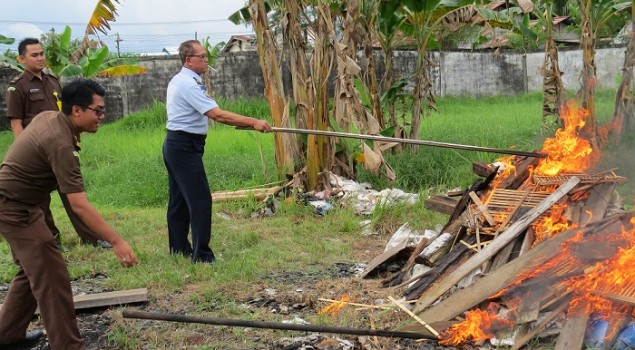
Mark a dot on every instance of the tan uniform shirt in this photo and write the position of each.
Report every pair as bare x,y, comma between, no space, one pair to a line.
43,157
28,95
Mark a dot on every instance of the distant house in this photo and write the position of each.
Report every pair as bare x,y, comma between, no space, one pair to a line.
170,50
240,43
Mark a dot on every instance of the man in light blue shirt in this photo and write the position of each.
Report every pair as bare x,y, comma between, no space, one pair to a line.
189,106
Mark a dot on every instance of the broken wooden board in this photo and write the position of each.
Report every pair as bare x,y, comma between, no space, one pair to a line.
109,298
257,194
572,334
447,281
523,339
384,257
598,202
483,169
522,172
467,298
441,204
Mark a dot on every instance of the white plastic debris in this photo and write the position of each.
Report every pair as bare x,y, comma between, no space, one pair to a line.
367,228
321,207
295,320
400,236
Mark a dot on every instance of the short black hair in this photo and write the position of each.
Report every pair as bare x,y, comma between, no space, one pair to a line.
79,92
23,44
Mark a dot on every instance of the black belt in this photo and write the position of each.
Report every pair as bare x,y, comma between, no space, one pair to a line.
188,135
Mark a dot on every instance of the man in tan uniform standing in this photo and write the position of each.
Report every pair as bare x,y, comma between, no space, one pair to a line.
43,158
30,93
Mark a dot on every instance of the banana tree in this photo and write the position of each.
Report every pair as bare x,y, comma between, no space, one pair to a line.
96,61
423,19
389,21
554,95
553,92
594,16
9,58
212,54
624,100
285,147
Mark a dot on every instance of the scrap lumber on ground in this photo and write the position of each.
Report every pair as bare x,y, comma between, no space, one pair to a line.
120,297
441,286
257,194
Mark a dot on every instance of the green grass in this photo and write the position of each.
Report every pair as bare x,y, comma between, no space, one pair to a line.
126,180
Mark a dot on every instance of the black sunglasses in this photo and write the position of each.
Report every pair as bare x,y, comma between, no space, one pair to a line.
98,111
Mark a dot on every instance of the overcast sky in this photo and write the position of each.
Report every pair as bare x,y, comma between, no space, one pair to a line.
143,25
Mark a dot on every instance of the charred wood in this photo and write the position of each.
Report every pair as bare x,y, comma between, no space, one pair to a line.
441,204
447,263
464,299
483,169
441,286
521,174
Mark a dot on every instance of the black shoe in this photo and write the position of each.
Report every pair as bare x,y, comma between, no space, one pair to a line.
208,259
102,244
30,338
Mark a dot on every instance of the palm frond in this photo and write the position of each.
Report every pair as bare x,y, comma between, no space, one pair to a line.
105,11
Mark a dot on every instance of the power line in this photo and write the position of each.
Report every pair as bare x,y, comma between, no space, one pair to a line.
118,23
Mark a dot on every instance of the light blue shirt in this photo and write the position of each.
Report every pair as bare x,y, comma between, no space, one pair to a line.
186,102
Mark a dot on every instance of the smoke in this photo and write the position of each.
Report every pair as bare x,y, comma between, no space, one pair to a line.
621,157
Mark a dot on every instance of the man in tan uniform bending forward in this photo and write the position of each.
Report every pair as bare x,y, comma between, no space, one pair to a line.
43,158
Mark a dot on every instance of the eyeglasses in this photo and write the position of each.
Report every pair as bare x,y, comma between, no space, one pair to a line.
201,56
98,111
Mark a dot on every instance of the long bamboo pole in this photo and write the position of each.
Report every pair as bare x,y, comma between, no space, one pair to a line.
400,140
270,325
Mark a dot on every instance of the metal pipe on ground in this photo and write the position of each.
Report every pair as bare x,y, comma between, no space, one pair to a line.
271,325
399,140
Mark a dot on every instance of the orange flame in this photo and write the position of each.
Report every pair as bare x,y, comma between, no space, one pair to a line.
549,226
478,325
506,169
567,152
613,276
335,307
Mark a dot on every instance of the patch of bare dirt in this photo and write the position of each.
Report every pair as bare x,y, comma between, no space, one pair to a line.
294,297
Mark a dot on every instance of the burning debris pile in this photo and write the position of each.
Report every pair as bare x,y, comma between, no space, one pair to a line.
535,248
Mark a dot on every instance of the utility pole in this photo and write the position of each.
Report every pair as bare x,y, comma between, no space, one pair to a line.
118,40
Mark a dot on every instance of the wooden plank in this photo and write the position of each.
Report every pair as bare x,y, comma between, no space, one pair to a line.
109,298
467,298
616,323
445,283
520,341
598,202
482,209
483,169
441,204
522,173
388,255
572,334
625,299
257,194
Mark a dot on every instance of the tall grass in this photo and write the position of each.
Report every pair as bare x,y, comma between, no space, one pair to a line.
123,164
126,179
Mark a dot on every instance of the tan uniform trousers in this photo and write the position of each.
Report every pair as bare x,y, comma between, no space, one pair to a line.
85,234
42,280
